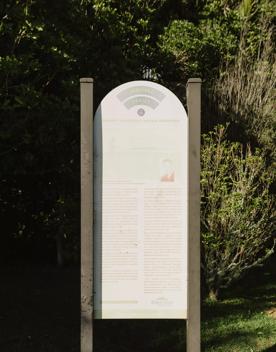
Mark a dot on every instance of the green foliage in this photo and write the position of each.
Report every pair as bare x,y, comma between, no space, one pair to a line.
197,46
198,49
244,93
236,212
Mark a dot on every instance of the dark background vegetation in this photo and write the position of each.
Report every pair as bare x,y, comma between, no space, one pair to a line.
46,46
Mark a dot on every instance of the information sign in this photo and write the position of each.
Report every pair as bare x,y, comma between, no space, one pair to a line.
140,204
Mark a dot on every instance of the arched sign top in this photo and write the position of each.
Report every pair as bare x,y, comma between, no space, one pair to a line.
141,100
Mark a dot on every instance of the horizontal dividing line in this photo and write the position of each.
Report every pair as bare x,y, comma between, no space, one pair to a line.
140,120
120,302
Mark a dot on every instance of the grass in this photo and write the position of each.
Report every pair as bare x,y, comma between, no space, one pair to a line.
39,312
242,323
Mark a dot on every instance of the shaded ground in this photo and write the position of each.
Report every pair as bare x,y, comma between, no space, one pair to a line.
241,321
39,311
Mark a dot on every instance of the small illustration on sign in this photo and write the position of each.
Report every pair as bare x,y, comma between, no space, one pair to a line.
141,112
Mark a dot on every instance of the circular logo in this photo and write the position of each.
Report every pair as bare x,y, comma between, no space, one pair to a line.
141,112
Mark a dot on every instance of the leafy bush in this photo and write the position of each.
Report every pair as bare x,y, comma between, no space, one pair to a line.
236,212
244,93
198,49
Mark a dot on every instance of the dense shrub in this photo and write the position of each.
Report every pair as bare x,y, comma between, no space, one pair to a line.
237,215
244,93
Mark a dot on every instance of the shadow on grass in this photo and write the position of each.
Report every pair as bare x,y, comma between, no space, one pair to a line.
240,321
252,294
228,339
243,306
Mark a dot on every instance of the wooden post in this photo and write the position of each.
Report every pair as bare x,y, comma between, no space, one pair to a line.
86,108
193,314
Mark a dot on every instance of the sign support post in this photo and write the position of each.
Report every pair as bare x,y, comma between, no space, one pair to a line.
86,107
193,315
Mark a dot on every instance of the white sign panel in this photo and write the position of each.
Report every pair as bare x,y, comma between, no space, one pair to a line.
140,195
